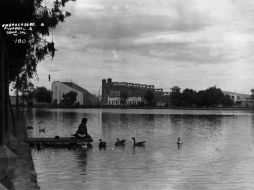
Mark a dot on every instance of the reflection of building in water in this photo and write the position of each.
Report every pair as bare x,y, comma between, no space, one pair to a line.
241,100
83,96
112,92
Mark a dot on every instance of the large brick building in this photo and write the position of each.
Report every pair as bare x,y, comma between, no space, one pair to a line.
112,90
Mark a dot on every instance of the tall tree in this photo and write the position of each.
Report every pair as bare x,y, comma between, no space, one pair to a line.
28,92
43,95
25,87
189,97
69,98
175,98
215,95
227,101
23,59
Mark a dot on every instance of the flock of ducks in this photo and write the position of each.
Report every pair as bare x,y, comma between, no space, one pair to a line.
103,144
118,143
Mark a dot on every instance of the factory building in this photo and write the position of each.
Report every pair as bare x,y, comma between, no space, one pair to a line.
112,93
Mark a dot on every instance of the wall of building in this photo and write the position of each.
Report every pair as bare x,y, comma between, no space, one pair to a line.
165,100
134,100
175,89
237,96
114,101
161,104
133,90
90,99
59,89
245,104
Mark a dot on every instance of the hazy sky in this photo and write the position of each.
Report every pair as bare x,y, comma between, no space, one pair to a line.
190,43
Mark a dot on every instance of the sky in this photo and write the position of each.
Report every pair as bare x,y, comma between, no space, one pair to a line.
190,43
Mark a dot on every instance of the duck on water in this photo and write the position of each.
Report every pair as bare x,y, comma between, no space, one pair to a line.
120,142
141,143
102,144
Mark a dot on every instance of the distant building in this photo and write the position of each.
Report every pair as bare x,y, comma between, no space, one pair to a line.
241,100
135,92
83,96
175,89
114,101
252,93
236,96
134,101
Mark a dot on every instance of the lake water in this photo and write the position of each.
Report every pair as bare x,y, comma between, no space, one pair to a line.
217,150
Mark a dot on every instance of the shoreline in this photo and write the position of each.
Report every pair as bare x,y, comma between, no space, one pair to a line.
25,176
132,107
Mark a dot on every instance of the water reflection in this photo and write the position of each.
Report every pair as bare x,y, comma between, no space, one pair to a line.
217,150
82,158
179,146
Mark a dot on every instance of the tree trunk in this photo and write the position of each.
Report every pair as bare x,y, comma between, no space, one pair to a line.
17,92
2,94
12,117
6,103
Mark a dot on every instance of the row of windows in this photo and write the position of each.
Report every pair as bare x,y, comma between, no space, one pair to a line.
133,102
133,85
114,102
117,102
233,97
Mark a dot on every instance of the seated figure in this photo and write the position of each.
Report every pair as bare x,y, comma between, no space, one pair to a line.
82,130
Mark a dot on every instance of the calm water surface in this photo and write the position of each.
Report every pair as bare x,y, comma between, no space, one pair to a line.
217,150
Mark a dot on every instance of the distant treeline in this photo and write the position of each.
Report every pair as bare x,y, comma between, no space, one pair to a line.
211,97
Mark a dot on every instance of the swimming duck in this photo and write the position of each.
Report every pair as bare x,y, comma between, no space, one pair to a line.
179,141
120,142
142,143
102,144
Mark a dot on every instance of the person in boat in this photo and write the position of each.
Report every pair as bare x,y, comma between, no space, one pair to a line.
82,130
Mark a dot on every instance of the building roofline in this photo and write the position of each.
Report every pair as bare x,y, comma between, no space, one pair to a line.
175,87
236,93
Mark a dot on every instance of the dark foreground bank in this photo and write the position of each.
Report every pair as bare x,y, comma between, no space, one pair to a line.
23,177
